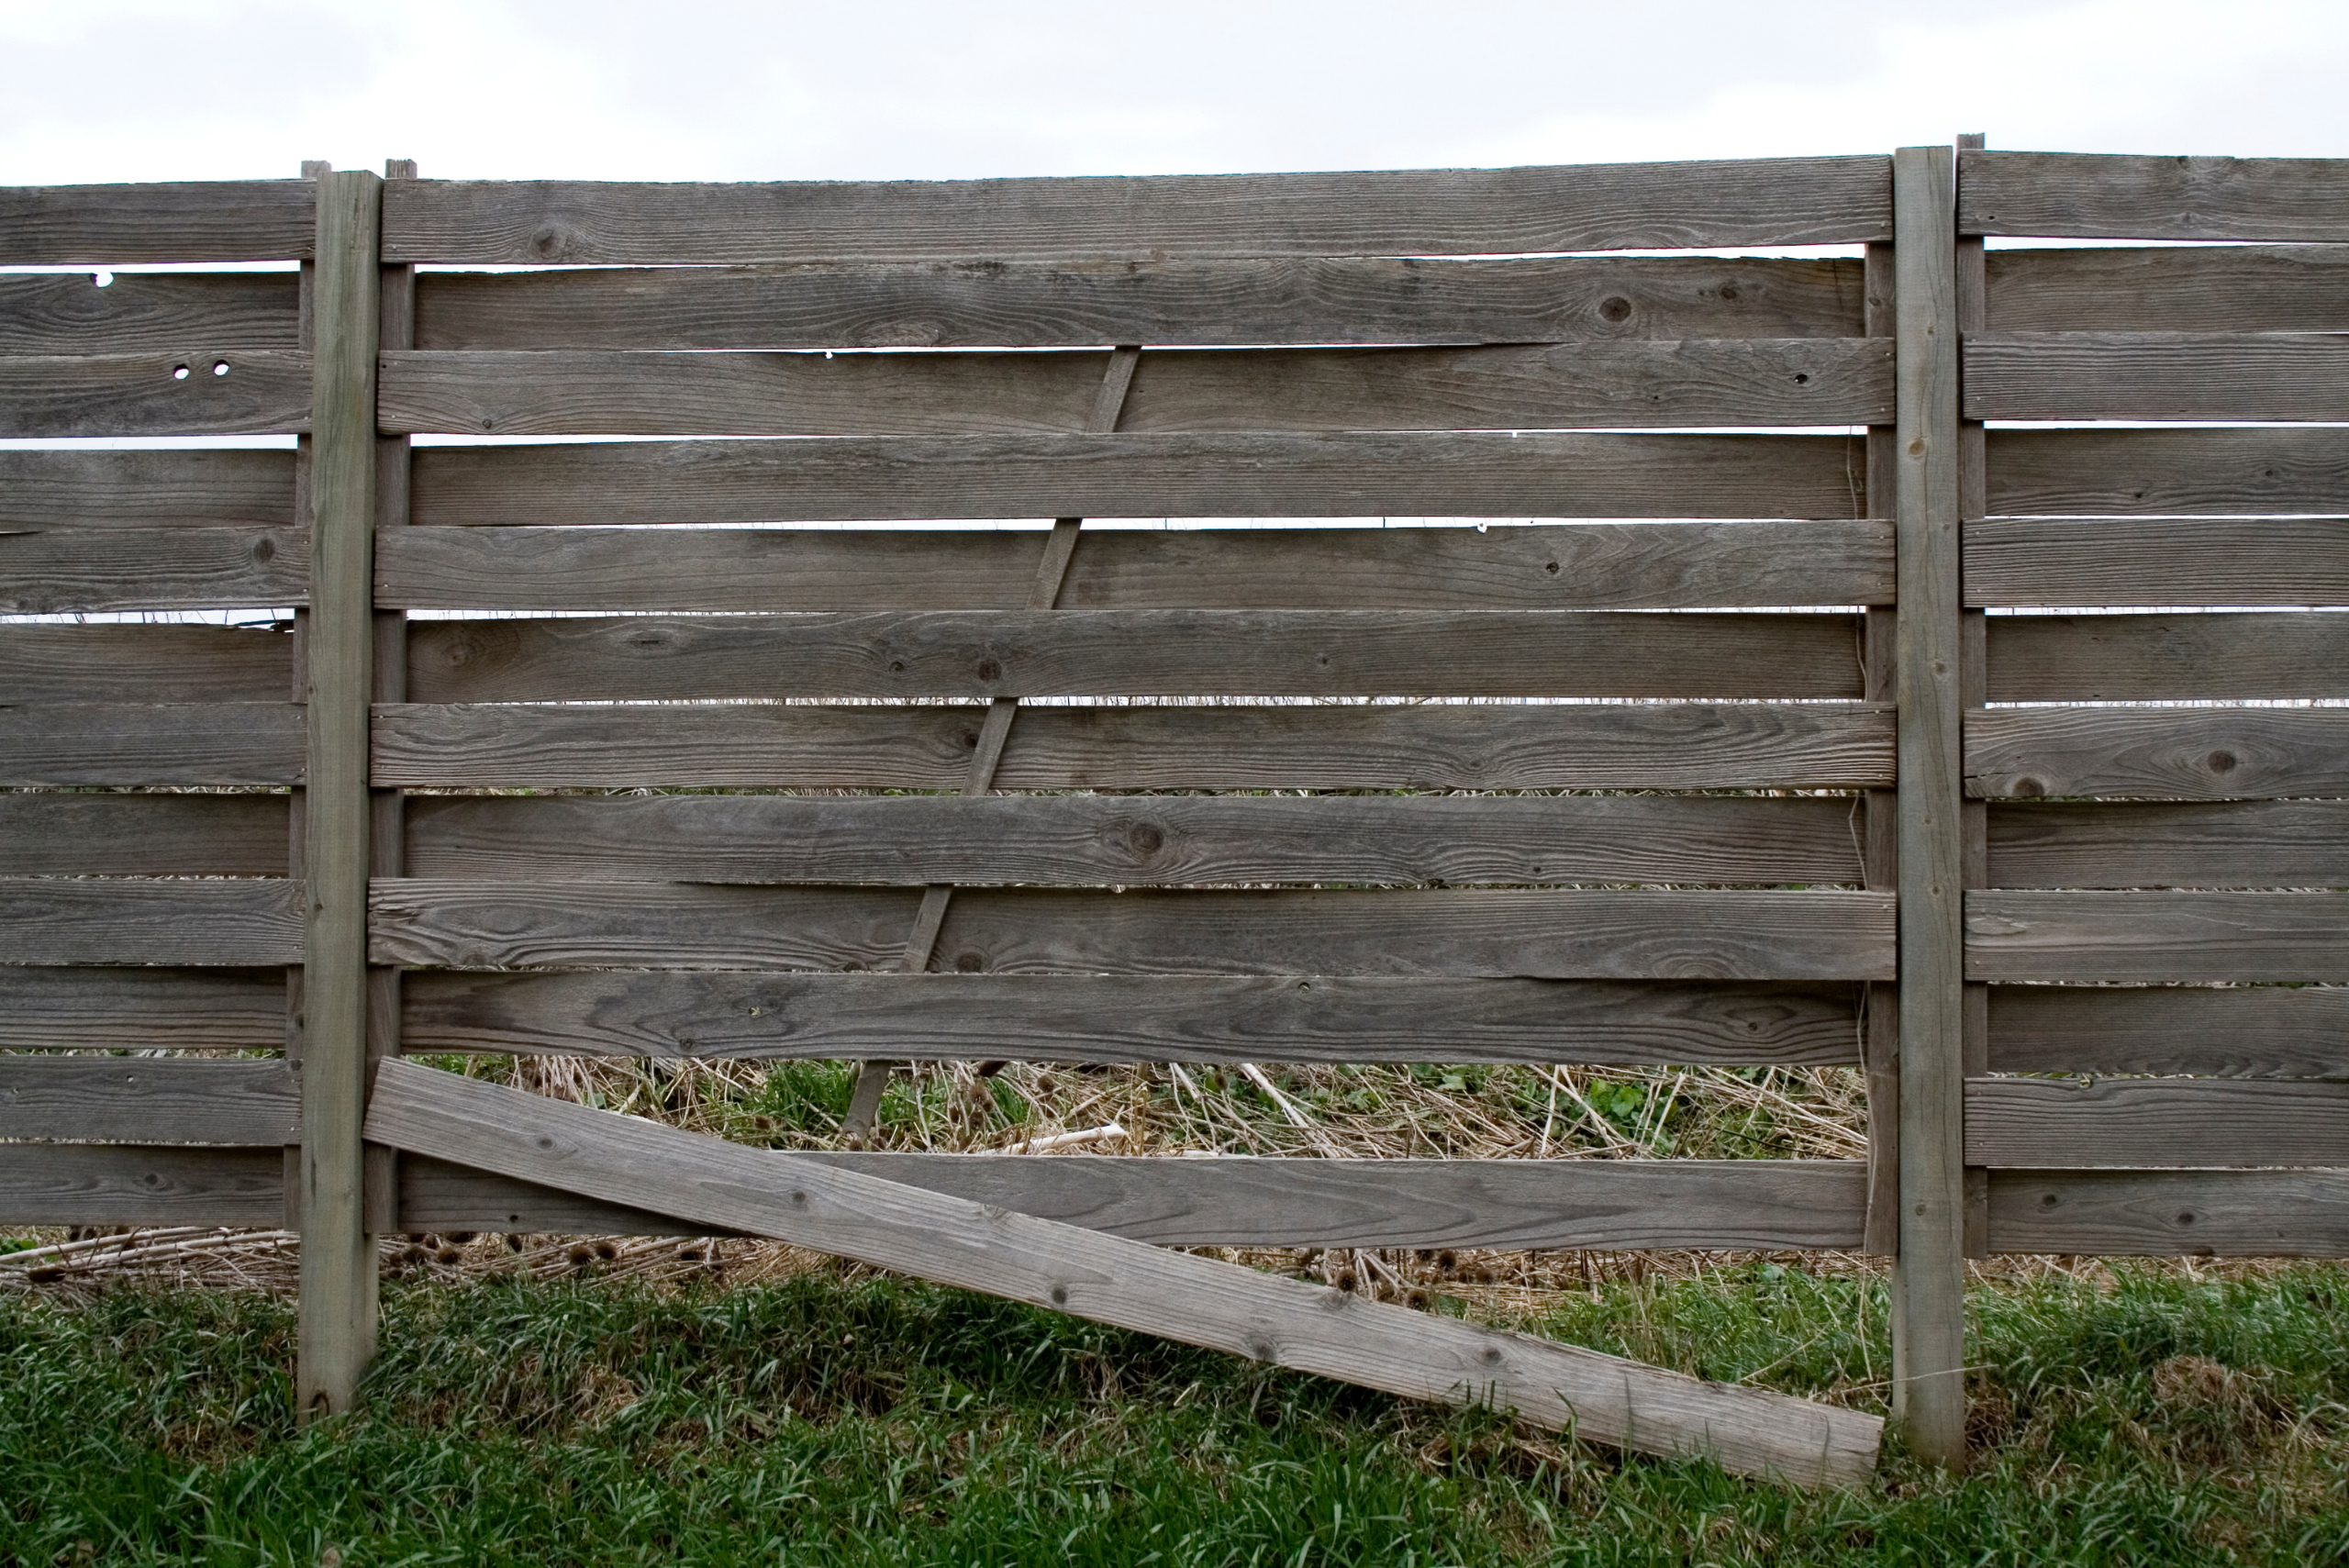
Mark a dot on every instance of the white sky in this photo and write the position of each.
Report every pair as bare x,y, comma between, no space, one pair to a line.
852,89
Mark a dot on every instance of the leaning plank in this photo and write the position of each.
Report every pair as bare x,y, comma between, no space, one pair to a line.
2178,753
134,663
224,220
2197,1214
142,835
2158,375
2247,1031
2236,843
1587,1205
46,572
2052,561
146,489
1011,653
672,1014
1375,474
43,1184
1132,842
142,1009
1637,383
1632,746
1243,302
1646,934
2162,657
2156,936
200,390
111,1099
2068,195
1429,212
2199,473
1574,566
2225,288
2153,1123
1108,1279
58,920
150,745
70,312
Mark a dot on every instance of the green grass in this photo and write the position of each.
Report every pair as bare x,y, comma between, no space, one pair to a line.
2153,1419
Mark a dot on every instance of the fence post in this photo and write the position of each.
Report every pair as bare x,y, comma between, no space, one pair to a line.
338,1305
1928,1281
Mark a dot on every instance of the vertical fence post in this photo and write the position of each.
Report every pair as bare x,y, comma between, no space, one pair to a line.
1928,1281
338,1305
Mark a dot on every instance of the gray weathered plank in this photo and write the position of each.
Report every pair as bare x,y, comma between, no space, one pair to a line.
46,571
2157,657
2040,1124
67,313
2275,843
2158,375
851,479
2199,1214
1591,566
2056,562
142,835
1130,1284
183,392
113,1099
2222,288
2177,754
41,1184
1632,746
55,920
2197,473
673,1013
1583,934
2276,1031
2156,936
1541,210
224,220
2079,195
144,1009
151,745
127,663
146,489
1250,301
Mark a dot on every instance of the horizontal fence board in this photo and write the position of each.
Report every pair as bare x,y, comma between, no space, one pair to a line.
112,1099
142,1010
1570,935
1593,1205
181,392
2199,935
2228,288
1242,302
2153,1123
675,1013
1514,566
2056,562
211,221
2158,375
2197,473
2199,1214
61,920
2269,843
151,745
67,313
2165,657
43,1184
128,662
143,835
2278,1031
1595,207
48,571
868,478
2177,753
1658,746
1130,842
992,653
1834,381
2082,195
146,489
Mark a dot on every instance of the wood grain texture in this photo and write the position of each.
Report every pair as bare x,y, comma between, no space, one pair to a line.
2249,1032
1160,841
1663,746
54,920
2197,1214
2059,562
1244,302
2153,1123
670,1014
151,745
145,1008
850,479
2158,375
2078,195
1637,383
1009,653
1593,566
2154,936
2273,843
83,1099
231,488
67,313
2177,753
54,571
40,1184
1570,935
142,835
1596,206
2162,657
224,220
127,663
180,392
2231,288
1108,1279
2195,473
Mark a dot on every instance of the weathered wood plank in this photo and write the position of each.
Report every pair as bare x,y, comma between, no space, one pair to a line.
224,220
1660,746
1583,934
2228,288
2158,375
2079,195
851,479
51,571
2177,754
1130,842
1010,653
141,1009
1585,566
127,663
1109,1279
2199,1214
142,835
2245,1031
202,391
2198,473
672,1014
1479,212
2058,562
1244,302
56,920
69,313
146,489
111,1099
2153,1123
43,1184
2150,935
2276,844
150,745
2122,658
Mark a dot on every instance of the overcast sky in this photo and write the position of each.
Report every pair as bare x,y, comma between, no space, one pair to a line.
855,89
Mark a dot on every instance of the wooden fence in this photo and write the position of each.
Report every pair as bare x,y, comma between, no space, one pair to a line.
207,842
